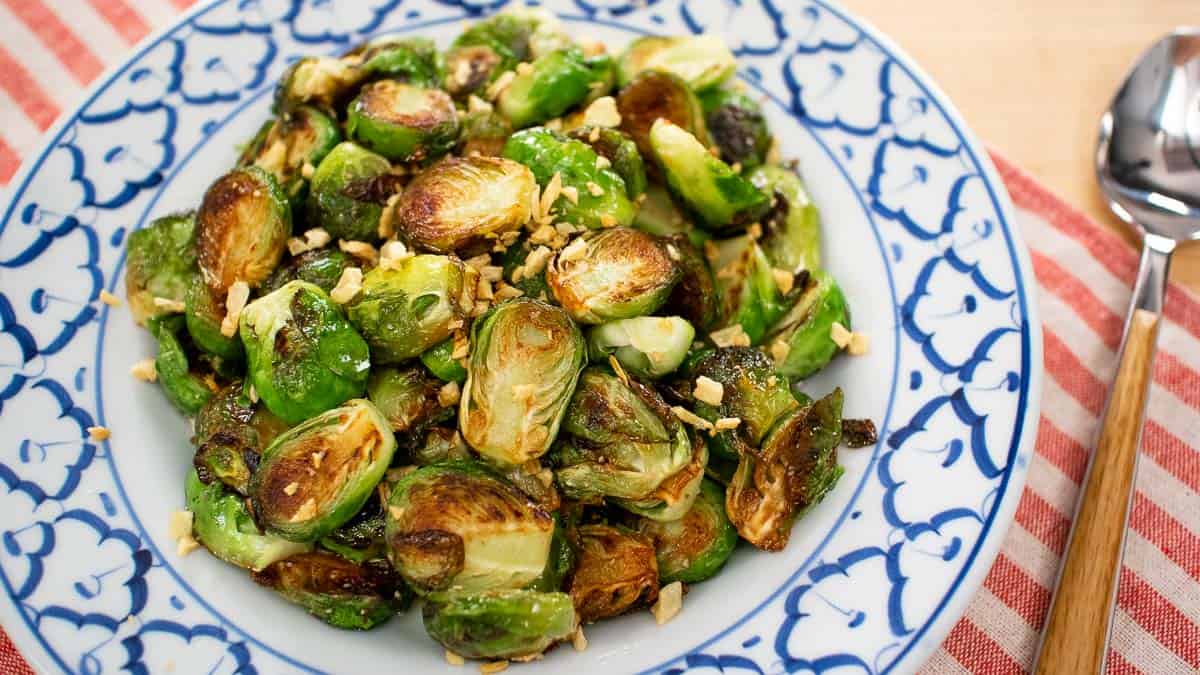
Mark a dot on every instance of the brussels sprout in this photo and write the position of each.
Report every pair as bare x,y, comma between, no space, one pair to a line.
792,228
407,397
348,191
440,361
242,228
361,538
302,135
554,84
458,203
751,393
459,526
315,476
470,68
230,432
621,273
185,389
646,346
795,468
322,268
655,95
508,624
719,198
695,298
696,546
204,311
703,61
341,593
160,263
406,309
616,571
675,495
441,445
532,285
526,356
222,523
747,288
414,60
320,80
737,126
506,34
807,327
483,133
303,356
621,152
547,153
403,122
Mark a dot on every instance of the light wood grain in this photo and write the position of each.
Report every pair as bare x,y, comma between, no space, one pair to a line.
1032,77
1076,629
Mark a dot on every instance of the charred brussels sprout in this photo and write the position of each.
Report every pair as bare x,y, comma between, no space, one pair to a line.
750,295
242,228
547,153
458,203
230,433
719,198
554,84
525,359
348,192
416,61
440,361
616,571
795,468
806,328
483,133
618,274
646,346
407,397
737,126
695,298
321,268
656,95
696,546
341,593
469,69
792,228
300,136
320,80
187,390
222,523
621,152
361,538
751,393
459,526
315,476
505,34
204,311
160,263
510,624
406,309
403,122
303,356
703,61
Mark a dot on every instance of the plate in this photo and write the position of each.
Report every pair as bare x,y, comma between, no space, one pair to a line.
918,230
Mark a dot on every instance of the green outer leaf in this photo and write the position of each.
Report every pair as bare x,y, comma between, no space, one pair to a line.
792,239
439,361
808,325
204,312
187,391
342,216
221,522
160,262
500,624
415,60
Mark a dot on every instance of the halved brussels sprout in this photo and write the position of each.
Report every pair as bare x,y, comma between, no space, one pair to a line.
751,392
548,153
315,476
656,95
230,432
341,593
303,356
616,572
415,60
160,262
737,126
795,468
440,361
483,133
807,327
187,390
322,268
554,84
792,228
441,445
221,521
301,136
242,228
749,294
703,61
646,346
696,546
526,356
459,526
508,624
348,192
406,309
204,310
621,152
460,202
403,122
695,297
469,68
407,397
621,273
361,538
721,199
320,80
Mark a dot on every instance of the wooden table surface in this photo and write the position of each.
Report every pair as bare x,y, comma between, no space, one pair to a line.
1032,77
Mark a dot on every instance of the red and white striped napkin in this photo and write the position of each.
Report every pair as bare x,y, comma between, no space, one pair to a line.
1084,273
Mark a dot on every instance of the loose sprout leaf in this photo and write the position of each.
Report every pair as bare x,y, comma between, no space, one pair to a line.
223,524
806,328
160,263
343,594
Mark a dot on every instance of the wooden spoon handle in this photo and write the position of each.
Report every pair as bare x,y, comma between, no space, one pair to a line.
1077,630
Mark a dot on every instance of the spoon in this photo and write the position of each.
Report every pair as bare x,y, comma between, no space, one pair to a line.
1148,163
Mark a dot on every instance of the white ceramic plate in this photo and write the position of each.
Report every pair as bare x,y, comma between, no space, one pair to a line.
918,230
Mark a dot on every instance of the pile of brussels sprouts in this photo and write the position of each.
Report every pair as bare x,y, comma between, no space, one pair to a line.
519,328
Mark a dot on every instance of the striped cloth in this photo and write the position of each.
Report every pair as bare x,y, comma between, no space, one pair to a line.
1084,274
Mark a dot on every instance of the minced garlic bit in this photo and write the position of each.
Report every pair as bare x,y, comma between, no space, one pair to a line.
727,423
144,370
478,105
780,351
736,167
594,135
180,524
860,343
670,601
555,124
290,488
496,88
607,220
235,302
483,289
574,251
493,667
688,417
480,261
594,190
317,458
306,511
317,237
772,380
732,336
387,217
454,659
392,254
550,194
505,292
168,305
708,391
543,235
602,162
360,249
98,433
578,641
109,299
462,346
620,371
252,394
571,193
536,261
307,170
784,279
186,545
296,245
348,286
840,335
602,113
524,68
